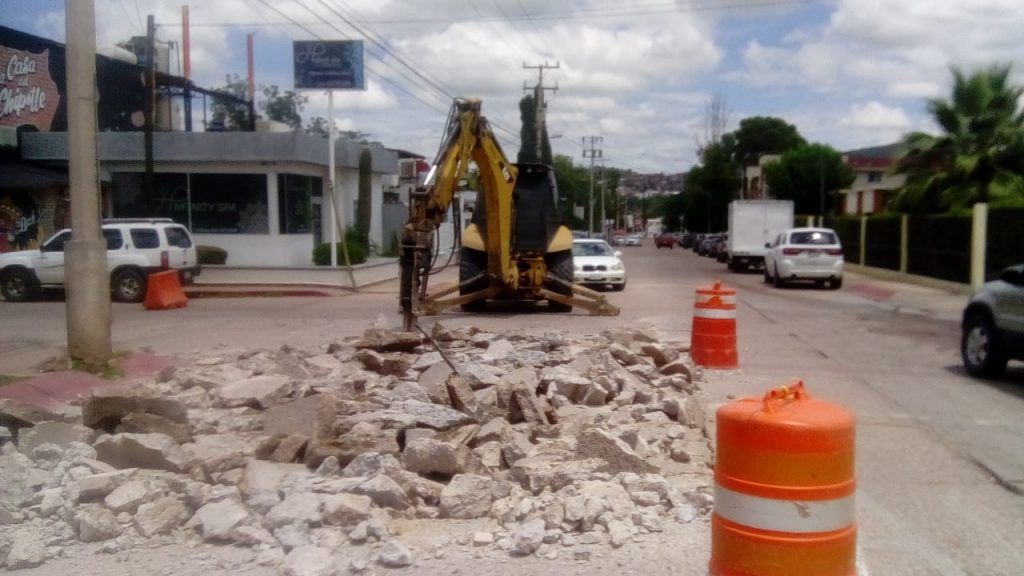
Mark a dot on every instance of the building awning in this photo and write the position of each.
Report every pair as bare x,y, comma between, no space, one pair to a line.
23,177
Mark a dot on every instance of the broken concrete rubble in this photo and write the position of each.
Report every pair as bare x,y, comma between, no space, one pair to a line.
560,442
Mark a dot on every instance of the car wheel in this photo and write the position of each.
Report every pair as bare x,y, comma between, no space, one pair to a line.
835,284
471,264
560,266
767,276
777,280
129,286
980,348
17,285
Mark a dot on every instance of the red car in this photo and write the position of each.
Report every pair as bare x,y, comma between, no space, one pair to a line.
665,240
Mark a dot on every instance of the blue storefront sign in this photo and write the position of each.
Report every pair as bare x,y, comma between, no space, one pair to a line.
335,65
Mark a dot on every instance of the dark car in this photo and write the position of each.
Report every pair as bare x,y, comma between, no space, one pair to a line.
665,240
993,325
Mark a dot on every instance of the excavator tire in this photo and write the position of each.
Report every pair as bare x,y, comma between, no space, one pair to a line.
471,263
560,265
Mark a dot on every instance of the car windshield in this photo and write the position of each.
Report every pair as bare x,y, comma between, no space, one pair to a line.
591,249
815,237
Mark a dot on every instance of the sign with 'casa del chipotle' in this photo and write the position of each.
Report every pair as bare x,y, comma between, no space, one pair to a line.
28,94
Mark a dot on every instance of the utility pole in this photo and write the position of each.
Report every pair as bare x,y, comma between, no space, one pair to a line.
541,107
88,285
604,231
148,114
591,153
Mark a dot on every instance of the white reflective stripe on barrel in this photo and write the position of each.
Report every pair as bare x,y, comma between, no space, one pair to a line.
715,313
729,299
797,517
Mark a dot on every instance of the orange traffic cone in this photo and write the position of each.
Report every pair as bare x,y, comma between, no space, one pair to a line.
784,488
713,337
164,291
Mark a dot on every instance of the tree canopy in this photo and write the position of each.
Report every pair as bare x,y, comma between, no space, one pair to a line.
759,135
283,106
978,157
810,176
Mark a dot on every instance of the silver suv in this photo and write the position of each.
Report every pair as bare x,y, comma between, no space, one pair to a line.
993,325
135,248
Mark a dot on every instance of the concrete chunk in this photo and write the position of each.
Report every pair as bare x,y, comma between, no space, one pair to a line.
157,451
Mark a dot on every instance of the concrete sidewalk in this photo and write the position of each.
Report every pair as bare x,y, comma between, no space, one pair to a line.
308,281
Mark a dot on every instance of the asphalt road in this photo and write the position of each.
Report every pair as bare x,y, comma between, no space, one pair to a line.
940,456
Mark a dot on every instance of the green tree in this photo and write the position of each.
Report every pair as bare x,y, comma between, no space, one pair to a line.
364,202
527,131
759,135
318,126
573,190
283,106
810,176
528,115
978,157
709,187
232,114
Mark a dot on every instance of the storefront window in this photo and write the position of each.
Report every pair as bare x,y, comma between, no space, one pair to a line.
220,203
295,209
229,204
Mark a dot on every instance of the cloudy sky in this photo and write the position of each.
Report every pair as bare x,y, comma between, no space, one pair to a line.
639,74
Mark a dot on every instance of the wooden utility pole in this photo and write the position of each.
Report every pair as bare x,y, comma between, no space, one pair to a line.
541,107
88,284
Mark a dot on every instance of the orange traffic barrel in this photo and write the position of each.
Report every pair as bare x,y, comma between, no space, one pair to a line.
784,488
163,291
713,336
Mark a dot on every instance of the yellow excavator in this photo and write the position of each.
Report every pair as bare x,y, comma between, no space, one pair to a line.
515,246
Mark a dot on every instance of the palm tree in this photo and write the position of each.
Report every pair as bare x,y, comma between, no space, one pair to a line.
980,154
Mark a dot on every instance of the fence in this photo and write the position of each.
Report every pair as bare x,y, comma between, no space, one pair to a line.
968,248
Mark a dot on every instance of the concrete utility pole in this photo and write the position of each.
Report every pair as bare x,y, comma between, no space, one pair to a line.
88,284
538,96
591,153
604,227
149,113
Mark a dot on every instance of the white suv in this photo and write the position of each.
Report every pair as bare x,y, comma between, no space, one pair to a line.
135,248
805,254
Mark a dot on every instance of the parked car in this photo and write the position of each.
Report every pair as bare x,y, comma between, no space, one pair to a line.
665,240
619,240
992,330
634,240
687,239
721,249
706,244
597,265
135,248
698,240
805,254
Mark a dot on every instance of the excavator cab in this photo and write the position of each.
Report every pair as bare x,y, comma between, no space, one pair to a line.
534,201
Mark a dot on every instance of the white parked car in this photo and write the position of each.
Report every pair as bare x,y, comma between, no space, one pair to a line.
805,254
135,248
596,265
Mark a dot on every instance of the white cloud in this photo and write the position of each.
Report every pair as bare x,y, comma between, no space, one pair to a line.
875,116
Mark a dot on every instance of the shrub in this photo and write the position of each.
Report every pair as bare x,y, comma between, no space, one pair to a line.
356,250
211,255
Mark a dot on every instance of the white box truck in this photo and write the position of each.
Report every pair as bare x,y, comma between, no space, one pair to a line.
752,224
